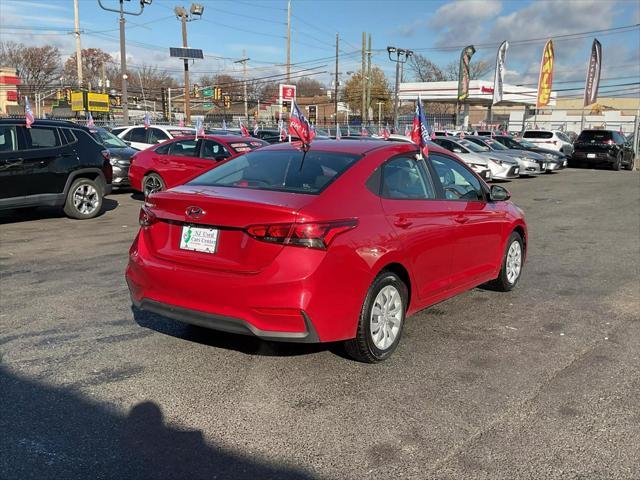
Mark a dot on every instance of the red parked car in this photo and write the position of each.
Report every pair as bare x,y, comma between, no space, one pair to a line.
179,159
340,243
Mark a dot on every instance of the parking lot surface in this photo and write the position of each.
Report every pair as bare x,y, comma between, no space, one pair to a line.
541,382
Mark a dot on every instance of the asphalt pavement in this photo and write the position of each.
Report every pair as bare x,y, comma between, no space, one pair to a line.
541,382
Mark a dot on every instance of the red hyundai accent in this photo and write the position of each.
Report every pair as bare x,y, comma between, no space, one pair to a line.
338,244
179,159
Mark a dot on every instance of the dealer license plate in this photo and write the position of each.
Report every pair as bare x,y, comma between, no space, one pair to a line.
591,155
199,239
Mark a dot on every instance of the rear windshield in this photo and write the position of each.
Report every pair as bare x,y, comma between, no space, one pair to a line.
241,147
279,170
181,133
537,134
594,136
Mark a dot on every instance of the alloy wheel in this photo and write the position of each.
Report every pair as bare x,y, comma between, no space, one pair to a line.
514,262
386,317
85,199
152,184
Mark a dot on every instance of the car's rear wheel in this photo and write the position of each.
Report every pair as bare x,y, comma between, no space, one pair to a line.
84,199
617,164
381,320
152,183
512,262
631,165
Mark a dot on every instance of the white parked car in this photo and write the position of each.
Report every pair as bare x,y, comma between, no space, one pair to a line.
501,166
551,139
140,137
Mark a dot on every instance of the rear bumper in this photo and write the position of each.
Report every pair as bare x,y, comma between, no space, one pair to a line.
600,157
303,295
226,324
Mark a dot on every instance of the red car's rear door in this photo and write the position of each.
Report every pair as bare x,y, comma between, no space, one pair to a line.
182,162
479,224
421,221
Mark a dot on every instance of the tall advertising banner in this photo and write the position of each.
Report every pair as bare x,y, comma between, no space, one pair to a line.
498,81
546,76
593,74
463,73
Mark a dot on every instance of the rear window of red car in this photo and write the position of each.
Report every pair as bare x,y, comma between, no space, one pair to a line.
281,170
247,146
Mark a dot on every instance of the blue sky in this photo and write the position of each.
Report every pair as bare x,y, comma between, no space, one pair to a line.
434,28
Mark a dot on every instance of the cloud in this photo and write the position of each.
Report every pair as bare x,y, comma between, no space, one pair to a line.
463,19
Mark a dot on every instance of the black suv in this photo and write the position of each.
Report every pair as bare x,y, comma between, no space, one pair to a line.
603,146
53,163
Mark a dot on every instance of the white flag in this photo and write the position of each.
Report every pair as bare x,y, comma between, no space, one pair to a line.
499,77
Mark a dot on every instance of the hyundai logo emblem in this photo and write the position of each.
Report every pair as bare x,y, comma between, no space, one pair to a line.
194,212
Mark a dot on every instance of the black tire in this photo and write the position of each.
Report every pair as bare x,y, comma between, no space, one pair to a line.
617,164
155,183
84,199
631,164
502,283
362,347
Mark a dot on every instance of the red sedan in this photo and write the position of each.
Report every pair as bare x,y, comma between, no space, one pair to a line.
177,160
340,243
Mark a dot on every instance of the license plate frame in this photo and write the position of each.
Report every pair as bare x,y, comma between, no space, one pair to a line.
199,239
591,155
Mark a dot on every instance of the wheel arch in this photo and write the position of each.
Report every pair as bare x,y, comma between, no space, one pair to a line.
94,174
402,272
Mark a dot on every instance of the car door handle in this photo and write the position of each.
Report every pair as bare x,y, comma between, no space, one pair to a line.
461,219
402,223
14,162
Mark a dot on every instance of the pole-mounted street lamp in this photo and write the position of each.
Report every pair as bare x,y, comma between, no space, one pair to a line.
123,51
401,56
194,13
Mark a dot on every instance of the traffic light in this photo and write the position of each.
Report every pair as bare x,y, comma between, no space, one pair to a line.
196,90
227,101
313,113
217,93
286,106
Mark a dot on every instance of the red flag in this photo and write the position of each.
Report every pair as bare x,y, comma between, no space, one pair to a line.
419,132
243,130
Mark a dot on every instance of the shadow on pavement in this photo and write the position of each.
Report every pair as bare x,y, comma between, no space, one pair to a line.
18,215
230,341
51,432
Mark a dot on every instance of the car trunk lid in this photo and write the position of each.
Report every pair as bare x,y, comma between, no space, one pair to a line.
228,210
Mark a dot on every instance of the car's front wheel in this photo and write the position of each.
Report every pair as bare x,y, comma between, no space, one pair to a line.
381,320
617,164
84,199
152,183
512,263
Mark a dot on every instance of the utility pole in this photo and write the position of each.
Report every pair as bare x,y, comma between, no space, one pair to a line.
103,78
169,104
335,96
78,44
289,41
363,114
401,56
123,52
244,61
369,79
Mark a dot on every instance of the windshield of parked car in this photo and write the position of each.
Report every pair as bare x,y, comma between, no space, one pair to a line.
108,139
282,170
474,147
594,136
495,144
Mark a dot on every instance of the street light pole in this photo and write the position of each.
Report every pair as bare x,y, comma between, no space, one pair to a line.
194,13
244,61
123,52
401,57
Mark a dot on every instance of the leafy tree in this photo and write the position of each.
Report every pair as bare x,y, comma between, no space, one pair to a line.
380,92
38,67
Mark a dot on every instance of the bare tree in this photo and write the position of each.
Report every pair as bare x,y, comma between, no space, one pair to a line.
477,69
424,70
38,67
94,60
309,87
153,80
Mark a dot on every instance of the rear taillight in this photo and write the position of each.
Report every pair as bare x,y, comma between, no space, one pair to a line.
610,142
133,157
310,235
146,218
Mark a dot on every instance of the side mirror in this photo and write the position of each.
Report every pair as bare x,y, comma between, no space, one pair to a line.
499,193
457,150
